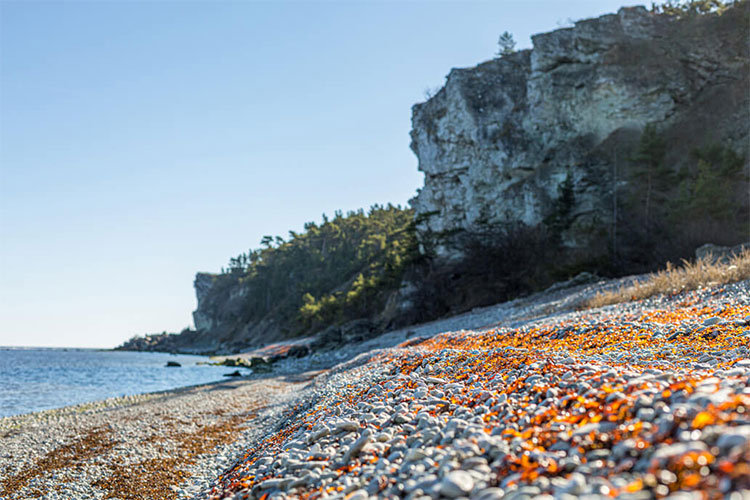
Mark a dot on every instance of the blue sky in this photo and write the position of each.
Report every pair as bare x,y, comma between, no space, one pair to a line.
142,142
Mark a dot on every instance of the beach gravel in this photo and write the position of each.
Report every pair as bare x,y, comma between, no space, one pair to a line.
648,399
158,446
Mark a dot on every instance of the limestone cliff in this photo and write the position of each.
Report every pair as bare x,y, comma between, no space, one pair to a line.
221,318
545,138
496,142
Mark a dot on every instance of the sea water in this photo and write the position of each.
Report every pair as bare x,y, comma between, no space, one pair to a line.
33,379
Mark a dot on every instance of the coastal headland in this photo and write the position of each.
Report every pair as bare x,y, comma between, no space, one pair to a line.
468,347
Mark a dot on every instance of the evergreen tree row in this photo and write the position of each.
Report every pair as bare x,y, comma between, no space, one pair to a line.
341,269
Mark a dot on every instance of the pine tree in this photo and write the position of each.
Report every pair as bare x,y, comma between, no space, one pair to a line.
506,44
708,191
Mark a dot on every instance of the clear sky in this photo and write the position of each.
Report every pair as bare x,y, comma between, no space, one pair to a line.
142,142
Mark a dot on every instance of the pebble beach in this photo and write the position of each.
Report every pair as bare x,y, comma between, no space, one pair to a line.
641,400
636,401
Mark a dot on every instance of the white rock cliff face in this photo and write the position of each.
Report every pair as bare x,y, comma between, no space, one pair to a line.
496,142
202,284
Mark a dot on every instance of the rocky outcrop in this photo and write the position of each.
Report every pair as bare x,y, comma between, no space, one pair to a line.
541,138
499,139
186,342
202,319
220,322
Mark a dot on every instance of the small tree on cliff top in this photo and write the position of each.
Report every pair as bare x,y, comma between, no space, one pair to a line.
506,44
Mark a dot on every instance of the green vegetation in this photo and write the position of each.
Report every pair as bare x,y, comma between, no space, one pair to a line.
676,200
707,190
652,172
686,8
339,270
561,215
499,264
705,185
506,44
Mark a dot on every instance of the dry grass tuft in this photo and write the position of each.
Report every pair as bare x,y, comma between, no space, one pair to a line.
692,275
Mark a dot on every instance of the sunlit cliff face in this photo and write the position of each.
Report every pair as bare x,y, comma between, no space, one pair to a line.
496,142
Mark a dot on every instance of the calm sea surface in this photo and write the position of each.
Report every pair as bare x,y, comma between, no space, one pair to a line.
40,379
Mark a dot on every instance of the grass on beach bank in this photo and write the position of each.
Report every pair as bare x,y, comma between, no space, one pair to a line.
691,275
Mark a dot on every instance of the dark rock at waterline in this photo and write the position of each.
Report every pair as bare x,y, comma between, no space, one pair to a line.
298,351
173,364
232,362
235,373
257,363
264,368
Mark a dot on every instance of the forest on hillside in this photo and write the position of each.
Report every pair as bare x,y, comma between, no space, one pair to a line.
342,268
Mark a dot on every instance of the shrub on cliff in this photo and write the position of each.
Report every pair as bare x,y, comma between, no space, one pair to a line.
654,175
684,8
707,190
675,199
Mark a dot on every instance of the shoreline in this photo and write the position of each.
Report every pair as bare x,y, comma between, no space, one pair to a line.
111,403
160,445
54,379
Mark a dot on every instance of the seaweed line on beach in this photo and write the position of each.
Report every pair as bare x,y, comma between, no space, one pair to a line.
96,442
158,478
